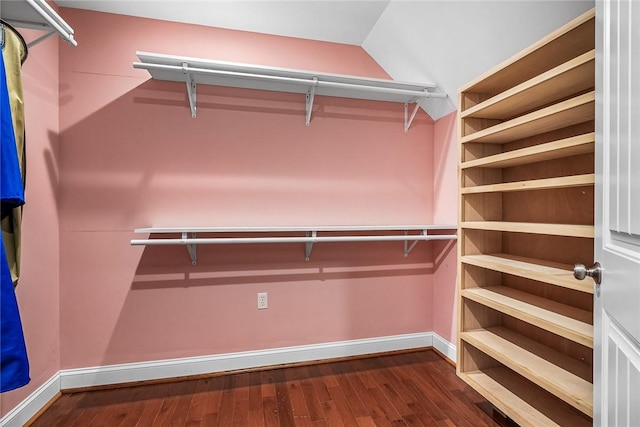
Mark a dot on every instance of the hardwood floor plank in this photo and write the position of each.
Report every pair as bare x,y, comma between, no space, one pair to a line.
225,412
285,412
198,404
311,400
416,389
213,396
296,398
270,412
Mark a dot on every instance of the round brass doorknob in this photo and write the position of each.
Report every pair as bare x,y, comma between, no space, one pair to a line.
580,271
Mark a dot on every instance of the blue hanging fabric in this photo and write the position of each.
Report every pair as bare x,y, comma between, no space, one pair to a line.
14,365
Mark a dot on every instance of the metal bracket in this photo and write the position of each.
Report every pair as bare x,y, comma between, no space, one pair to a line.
408,120
40,39
309,245
191,89
408,248
310,95
191,247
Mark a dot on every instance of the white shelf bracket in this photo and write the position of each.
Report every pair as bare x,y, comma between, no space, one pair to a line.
309,245
40,39
408,120
191,89
408,248
191,247
310,95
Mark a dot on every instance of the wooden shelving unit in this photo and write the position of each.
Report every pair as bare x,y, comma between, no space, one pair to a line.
526,216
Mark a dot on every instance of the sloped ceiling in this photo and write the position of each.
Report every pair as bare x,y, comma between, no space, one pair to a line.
446,42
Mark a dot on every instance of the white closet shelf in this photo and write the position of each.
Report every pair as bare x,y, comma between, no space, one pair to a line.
37,15
189,235
221,73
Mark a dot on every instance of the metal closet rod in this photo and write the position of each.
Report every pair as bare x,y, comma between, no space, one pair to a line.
308,82
53,22
300,239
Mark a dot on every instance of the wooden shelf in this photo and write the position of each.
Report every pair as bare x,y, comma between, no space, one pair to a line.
568,322
542,271
574,146
522,401
568,230
539,364
574,76
569,41
566,113
536,184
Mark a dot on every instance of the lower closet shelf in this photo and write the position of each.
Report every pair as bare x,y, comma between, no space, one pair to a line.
568,322
559,374
522,401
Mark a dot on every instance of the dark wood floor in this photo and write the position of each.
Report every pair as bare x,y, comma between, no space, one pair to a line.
401,389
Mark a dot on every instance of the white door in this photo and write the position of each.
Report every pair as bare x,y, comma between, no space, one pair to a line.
617,244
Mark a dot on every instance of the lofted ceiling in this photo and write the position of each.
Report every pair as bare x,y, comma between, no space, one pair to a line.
445,42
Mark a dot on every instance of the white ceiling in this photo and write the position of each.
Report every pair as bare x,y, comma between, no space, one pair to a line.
338,21
446,42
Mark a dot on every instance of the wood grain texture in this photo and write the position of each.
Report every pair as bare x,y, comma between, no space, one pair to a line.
561,319
399,389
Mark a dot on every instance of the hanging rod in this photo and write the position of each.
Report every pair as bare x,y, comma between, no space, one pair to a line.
195,71
281,79
189,239
37,15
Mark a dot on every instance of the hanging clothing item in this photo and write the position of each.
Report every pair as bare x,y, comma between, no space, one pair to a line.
14,52
14,365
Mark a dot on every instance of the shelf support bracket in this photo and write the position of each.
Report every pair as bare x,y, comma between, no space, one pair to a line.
191,247
40,39
191,89
408,248
309,245
310,95
408,120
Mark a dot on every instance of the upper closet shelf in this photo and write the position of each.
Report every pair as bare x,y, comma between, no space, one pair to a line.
220,73
309,237
37,15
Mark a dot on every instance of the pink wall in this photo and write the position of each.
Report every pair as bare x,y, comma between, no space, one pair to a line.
445,190
38,296
131,156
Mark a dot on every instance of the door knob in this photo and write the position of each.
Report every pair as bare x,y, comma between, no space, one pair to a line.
595,272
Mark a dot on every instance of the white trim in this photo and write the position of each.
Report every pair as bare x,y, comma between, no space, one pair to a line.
29,407
171,368
444,347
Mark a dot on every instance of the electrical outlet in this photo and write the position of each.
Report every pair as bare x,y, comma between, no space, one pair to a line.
262,301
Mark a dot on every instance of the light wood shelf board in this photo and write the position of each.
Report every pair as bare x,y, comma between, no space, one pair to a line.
577,35
533,361
569,322
566,113
568,230
574,76
529,268
576,145
536,184
522,401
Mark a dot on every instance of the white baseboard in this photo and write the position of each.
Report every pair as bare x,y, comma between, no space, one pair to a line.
29,407
444,347
161,369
